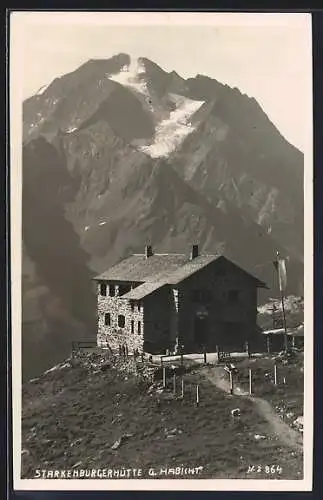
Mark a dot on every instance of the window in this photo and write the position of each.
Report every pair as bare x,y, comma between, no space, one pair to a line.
112,290
107,319
132,306
121,321
233,296
139,327
103,289
132,326
139,306
202,296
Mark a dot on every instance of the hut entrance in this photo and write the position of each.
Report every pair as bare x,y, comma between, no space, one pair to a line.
234,335
201,331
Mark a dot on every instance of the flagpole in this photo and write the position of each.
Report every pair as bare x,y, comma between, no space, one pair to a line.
283,307
284,319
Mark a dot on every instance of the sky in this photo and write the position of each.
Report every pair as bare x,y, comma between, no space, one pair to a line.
266,56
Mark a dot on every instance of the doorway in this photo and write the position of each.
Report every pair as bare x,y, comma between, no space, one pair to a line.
234,335
200,331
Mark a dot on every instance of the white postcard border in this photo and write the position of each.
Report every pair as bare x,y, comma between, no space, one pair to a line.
16,74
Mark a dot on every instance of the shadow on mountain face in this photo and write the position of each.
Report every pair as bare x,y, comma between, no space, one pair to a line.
236,156
125,114
53,245
170,214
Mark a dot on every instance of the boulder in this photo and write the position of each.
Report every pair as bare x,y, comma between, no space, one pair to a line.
299,423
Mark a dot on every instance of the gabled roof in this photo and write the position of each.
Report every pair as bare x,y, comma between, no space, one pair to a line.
191,267
161,269
143,290
139,268
258,282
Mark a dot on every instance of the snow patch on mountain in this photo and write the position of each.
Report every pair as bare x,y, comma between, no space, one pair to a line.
171,131
130,76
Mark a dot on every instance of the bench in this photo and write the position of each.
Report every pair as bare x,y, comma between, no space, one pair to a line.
83,344
224,356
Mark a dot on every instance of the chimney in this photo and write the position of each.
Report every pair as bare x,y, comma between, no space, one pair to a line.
148,251
194,252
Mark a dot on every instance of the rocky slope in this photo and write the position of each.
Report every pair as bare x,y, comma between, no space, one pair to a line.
119,153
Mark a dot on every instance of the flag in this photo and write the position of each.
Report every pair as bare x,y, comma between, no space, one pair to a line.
280,266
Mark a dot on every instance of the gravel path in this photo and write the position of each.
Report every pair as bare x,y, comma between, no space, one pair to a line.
277,427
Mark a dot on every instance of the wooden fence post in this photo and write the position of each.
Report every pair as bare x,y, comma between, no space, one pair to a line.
174,383
182,387
231,382
250,381
197,396
204,355
164,376
275,374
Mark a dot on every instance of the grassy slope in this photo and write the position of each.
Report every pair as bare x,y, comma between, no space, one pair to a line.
286,398
73,415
